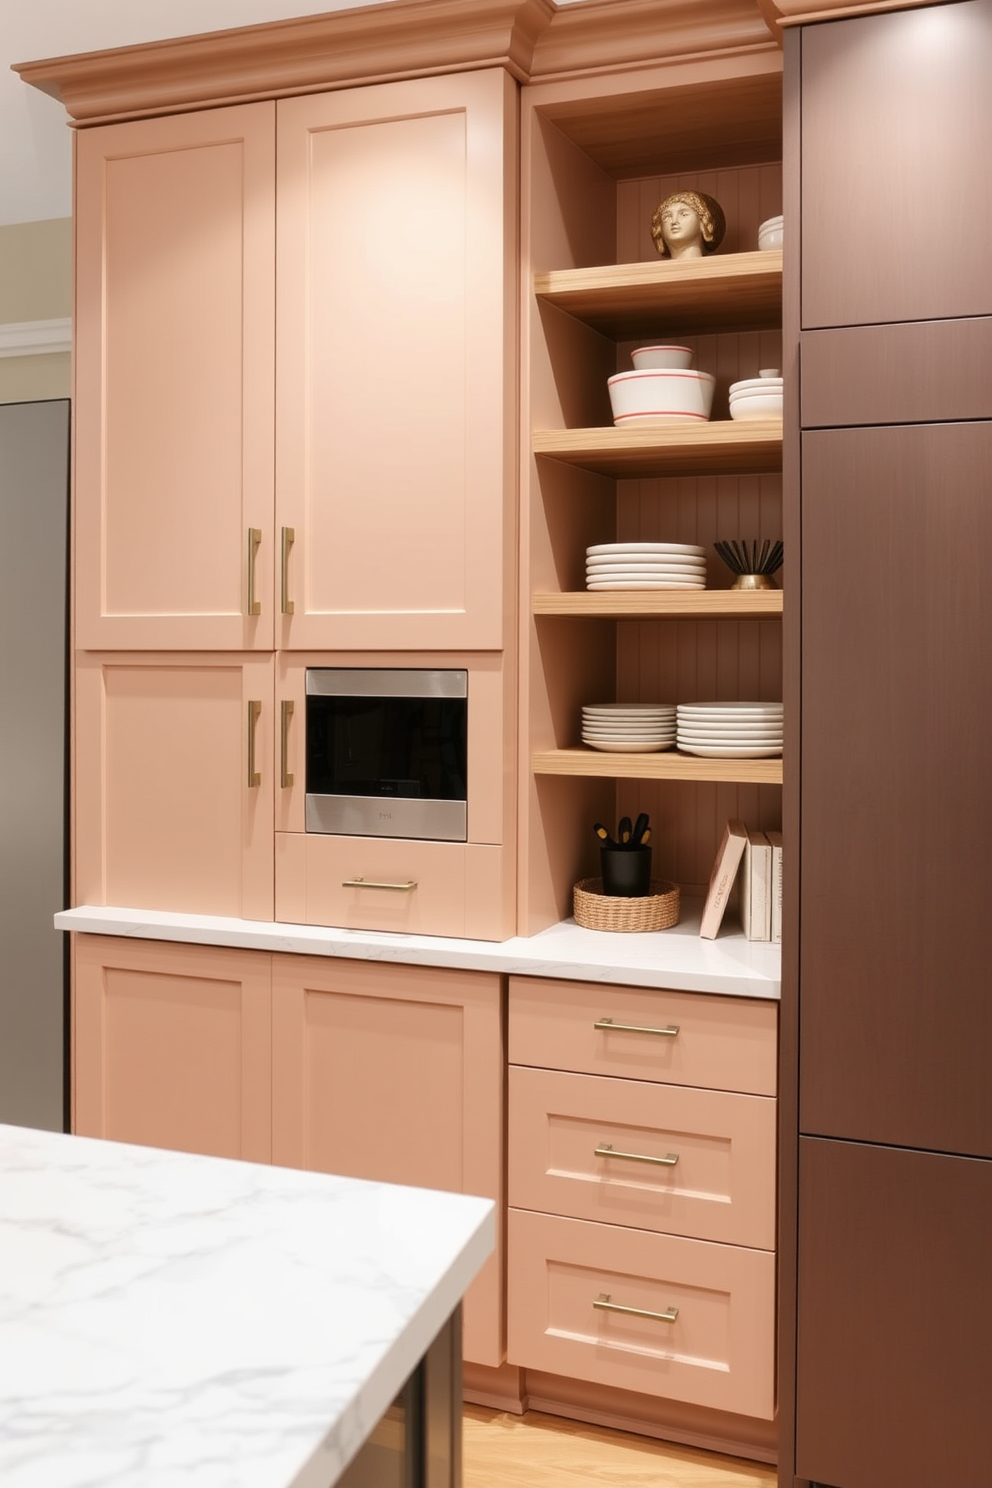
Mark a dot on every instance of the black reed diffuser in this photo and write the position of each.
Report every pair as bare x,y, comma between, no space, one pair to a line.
754,563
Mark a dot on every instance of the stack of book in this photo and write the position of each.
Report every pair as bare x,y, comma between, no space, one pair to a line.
747,873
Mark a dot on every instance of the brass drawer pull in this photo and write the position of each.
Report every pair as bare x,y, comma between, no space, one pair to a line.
610,1027
603,1302
371,883
288,538
605,1149
254,542
254,710
286,777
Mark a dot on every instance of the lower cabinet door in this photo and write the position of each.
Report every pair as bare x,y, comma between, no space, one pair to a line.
395,1073
658,1314
894,1358
171,1046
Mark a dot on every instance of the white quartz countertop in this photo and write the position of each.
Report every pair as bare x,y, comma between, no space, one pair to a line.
172,1320
678,958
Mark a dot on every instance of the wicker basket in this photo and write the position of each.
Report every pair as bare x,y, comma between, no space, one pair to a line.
595,910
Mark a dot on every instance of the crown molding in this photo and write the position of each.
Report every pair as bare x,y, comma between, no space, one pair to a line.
780,13
35,337
398,39
607,34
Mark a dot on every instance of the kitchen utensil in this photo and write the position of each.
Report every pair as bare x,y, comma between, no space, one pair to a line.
640,827
603,835
624,831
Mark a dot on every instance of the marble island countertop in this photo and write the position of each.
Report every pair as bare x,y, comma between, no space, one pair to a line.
168,1319
678,958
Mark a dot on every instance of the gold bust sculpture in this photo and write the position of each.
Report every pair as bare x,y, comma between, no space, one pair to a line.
688,224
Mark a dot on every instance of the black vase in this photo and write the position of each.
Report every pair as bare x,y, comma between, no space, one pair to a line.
626,871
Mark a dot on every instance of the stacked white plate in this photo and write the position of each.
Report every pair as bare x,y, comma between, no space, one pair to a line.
645,565
629,728
730,730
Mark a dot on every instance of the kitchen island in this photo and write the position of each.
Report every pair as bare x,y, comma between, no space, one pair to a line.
167,1318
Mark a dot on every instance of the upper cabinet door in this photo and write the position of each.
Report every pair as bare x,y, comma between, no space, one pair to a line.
396,364
896,198
173,387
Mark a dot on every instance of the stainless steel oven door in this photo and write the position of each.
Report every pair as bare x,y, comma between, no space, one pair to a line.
387,752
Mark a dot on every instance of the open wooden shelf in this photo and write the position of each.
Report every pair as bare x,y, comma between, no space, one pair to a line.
668,765
654,604
726,447
741,291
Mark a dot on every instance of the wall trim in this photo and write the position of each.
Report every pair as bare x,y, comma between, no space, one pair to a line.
35,337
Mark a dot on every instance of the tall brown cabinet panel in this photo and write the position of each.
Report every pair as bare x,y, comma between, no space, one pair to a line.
896,223
887,1335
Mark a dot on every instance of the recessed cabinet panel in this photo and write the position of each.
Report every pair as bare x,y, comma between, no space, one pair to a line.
896,205
171,1046
395,356
895,1317
173,809
174,307
896,786
394,1073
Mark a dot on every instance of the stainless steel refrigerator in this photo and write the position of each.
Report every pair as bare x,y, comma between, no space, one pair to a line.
34,485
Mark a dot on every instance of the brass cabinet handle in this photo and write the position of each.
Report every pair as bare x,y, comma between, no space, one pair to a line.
286,777
608,1024
371,883
285,603
606,1149
254,710
603,1302
254,541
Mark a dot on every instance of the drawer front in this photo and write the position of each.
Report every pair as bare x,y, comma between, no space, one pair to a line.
680,1038
681,1161
709,1336
378,883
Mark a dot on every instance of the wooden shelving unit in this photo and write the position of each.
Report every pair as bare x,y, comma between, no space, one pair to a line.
726,447
740,291
668,765
640,604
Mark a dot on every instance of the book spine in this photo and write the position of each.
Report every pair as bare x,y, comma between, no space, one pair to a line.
775,838
758,920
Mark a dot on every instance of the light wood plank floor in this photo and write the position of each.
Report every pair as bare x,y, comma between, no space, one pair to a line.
536,1451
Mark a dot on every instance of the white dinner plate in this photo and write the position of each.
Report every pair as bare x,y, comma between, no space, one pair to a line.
597,585
646,561
618,747
767,726
730,710
692,549
727,751
635,736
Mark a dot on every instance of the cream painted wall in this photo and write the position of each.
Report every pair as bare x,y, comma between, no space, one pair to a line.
35,284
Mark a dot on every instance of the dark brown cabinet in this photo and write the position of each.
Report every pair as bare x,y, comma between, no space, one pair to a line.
896,217
896,786
886,1173
895,1317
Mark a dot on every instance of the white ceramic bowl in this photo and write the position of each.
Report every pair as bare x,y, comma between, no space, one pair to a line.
757,406
661,395
760,385
770,234
654,357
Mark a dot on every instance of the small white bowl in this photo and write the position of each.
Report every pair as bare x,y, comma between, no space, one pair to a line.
770,234
756,385
756,406
661,395
654,357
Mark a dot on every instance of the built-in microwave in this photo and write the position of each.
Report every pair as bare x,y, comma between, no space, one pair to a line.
386,752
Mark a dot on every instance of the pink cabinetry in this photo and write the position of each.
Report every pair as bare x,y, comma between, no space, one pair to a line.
174,311
173,776
171,1046
641,1186
395,362
395,1073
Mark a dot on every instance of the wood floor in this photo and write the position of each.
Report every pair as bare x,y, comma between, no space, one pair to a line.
535,1451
